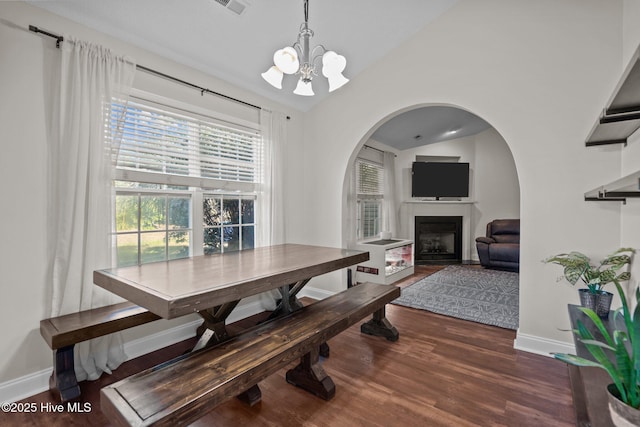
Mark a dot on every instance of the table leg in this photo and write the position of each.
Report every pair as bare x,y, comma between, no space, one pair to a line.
289,302
380,326
215,328
310,376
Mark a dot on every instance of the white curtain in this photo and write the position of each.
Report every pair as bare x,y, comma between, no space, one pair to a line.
271,203
390,201
349,229
270,211
80,202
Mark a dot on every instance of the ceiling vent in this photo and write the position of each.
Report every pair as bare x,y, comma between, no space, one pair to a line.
234,6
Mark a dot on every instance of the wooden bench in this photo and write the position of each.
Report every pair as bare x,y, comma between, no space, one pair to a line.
63,332
182,390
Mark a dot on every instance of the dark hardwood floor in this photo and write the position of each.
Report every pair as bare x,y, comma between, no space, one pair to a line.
441,372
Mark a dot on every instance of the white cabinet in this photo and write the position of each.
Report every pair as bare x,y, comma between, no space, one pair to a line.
389,261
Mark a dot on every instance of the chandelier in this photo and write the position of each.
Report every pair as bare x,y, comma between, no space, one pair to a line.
301,60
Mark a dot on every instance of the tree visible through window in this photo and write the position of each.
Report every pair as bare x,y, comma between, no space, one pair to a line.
229,224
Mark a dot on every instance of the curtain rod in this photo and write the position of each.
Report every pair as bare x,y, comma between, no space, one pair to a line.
60,39
373,148
377,149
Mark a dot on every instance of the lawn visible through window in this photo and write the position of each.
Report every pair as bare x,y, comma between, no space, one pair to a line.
153,227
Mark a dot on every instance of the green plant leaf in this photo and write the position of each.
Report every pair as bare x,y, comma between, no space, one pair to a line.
625,307
598,344
576,360
634,337
617,260
599,355
598,324
624,364
572,274
623,276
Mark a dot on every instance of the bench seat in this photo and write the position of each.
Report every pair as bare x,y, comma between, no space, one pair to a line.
63,332
182,390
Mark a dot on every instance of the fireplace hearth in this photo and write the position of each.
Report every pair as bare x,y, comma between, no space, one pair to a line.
438,239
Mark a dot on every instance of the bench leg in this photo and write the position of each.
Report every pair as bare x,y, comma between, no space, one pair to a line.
380,326
251,396
63,381
325,351
310,376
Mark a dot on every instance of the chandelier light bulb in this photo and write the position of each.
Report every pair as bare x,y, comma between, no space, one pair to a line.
273,76
336,81
332,67
286,60
304,88
332,63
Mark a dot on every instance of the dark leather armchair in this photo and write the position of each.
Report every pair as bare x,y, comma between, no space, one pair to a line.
501,247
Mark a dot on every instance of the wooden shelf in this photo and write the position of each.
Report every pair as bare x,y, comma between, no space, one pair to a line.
619,120
621,117
619,190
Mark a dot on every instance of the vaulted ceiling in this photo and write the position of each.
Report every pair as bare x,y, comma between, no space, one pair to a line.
209,35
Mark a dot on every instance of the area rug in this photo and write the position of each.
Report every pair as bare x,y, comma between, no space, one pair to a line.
469,293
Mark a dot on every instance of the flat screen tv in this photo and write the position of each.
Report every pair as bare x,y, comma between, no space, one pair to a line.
439,179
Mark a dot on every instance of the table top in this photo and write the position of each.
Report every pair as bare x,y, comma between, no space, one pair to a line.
183,286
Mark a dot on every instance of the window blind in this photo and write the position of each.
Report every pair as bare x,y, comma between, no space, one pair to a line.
160,145
369,179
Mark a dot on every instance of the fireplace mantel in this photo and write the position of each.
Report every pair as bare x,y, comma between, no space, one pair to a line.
441,202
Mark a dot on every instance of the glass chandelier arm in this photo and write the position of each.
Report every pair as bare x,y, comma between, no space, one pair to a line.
317,54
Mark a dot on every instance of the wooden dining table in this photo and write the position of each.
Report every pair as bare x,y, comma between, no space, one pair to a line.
213,285
180,390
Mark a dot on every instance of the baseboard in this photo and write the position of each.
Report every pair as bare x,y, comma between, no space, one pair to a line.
37,382
542,346
23,387
315,293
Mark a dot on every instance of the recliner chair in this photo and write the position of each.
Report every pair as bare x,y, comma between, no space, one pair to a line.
500,248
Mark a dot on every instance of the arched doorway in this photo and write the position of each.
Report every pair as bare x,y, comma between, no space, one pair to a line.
434,133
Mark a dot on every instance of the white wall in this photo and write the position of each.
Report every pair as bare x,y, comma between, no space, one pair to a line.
26,64
631,153
496,182
539,73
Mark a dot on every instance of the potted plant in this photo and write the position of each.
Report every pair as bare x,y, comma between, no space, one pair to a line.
577,266
618,354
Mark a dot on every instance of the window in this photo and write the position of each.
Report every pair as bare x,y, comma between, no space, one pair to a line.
175,171
151,226
229,224
369,192
370,214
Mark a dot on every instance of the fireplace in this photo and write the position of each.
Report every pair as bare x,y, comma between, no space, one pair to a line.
438,239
